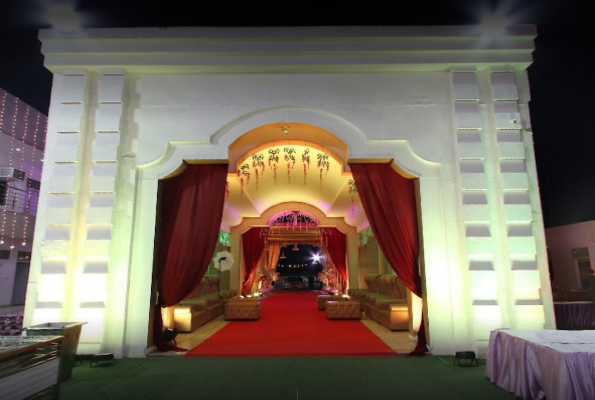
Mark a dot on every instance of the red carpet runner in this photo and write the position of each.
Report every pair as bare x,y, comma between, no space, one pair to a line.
291,325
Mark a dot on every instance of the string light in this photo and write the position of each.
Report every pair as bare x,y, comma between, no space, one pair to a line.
2,108
23,133
27,200
13,225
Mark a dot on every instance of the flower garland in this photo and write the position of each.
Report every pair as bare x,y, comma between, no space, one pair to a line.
227,191
273,160
323,164
290,155
244,171
257,162
306,163
352,193
290,158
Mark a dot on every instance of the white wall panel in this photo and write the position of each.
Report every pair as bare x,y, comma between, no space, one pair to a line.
504,86
108,117
99,216
71,118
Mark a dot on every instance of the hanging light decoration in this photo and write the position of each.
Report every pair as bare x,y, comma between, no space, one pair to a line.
22,125
27,200
13,127
2,112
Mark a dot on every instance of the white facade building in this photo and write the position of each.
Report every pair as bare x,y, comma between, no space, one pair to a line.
22,138
571,250
448,105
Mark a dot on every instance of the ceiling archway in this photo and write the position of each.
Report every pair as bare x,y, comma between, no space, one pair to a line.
290,162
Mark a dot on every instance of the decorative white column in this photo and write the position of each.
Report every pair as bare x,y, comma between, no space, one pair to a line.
56,260
81,273
500,207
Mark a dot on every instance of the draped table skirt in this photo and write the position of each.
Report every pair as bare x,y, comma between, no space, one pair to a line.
543,364
575,315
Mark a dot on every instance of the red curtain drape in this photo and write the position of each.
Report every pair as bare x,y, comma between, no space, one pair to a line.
337,249
190,212
253,243
389,202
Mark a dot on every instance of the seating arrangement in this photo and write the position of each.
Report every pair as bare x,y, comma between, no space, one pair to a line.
239,308
384,300
323,298
202,305
343,309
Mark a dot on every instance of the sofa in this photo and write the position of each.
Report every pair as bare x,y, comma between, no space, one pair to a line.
371,287
343,309
384,300
201,305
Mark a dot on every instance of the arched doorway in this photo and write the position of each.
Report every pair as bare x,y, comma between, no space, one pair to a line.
244,148
318,234
324,193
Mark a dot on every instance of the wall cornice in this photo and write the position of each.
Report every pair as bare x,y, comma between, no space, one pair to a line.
287,49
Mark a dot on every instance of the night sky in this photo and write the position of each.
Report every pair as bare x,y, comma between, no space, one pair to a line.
561,81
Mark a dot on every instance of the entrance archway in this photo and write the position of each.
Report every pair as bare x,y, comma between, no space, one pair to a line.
323,221
177,153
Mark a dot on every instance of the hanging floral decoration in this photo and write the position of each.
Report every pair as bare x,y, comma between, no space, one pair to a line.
257,162
227,191
290,158
244,172
323,164
273,160
306,163
352,193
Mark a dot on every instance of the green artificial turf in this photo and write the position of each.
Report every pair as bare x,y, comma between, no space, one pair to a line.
281,378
